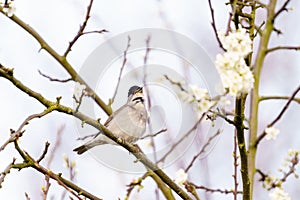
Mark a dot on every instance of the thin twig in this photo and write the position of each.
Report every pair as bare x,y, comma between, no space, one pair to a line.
79,101
27,196
121,70
235,164
155,134
93,136
191,189
56,145
279,115
177,83
16,134
259,29
223,116
46,188
263,98
228,23
225,191
68,185
213,23
47,144
81,28
296,48
182,138
55,79
95,123
278,182
6,171
283,8
202,150
146,56
61,60
134,183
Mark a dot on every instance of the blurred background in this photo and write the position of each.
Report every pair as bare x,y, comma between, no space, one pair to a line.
58,22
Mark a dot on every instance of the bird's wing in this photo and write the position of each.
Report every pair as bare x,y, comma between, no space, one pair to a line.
113,114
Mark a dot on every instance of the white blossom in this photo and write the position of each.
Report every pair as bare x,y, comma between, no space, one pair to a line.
293,152
9,9
271,133
185,96
279,194
193,93
199,97
181,177
197,92
236,76
78,90
204,105
237,41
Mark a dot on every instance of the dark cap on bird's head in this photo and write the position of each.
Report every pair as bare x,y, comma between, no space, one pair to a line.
134,89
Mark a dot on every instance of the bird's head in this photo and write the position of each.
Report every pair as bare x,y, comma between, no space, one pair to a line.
135,94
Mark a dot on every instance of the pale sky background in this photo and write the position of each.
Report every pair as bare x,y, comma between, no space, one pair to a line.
58,22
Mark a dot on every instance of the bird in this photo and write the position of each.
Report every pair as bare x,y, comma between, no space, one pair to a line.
128,122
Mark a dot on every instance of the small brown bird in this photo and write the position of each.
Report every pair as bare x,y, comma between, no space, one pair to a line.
128,122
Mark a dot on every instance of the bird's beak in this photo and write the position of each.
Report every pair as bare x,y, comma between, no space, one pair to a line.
140,90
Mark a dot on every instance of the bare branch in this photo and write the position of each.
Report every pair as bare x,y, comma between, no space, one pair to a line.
56,145
155,134
278,182
16,134
213,23
296,48
223,116
82,28
181,139
47,144
283,8
235,164
202,150
27,196
55,79
61,60
68,185
175,83
94,135
191,189
6,171
263,98
279,115
213,190
121,70
135,183
46,188
148,39
141,157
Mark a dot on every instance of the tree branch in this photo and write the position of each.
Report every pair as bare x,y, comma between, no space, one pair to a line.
239,125
213,23
6,171
279,115
61,60
283,8
202,150
16,134
82,28
121,70
213,190
264,98
95,123
68,185
55,79
296,48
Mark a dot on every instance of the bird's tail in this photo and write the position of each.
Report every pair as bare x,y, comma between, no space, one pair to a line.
83,148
